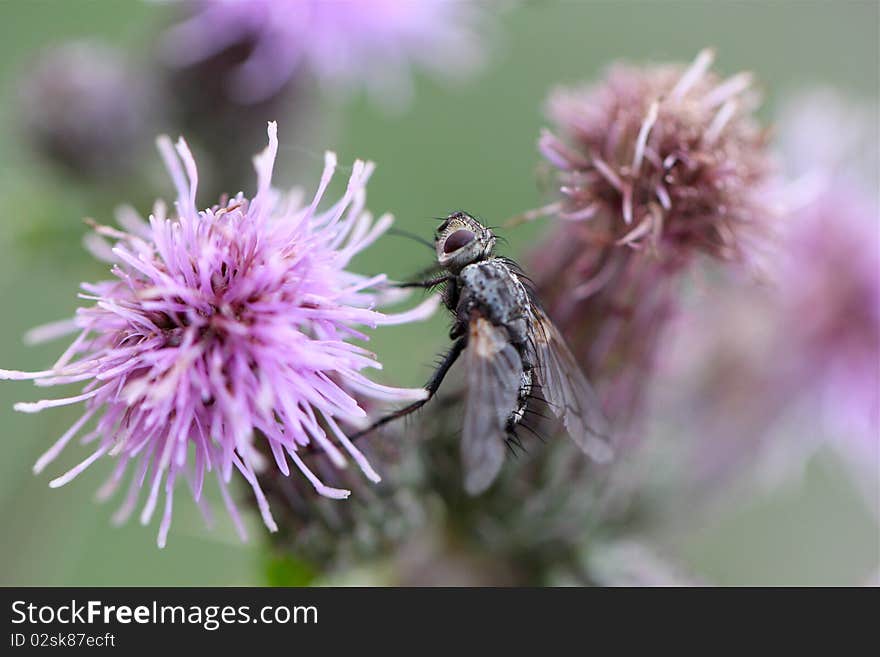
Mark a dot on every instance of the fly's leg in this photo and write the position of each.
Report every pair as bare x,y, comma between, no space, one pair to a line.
432,386
426,284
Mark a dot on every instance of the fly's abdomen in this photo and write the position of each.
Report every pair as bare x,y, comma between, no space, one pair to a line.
522,402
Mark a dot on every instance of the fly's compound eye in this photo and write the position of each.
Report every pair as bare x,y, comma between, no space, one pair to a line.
457,240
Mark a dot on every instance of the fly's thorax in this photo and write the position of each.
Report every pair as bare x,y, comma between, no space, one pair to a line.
497,292
462,240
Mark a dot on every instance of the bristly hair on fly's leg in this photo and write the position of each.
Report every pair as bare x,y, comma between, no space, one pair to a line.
514,444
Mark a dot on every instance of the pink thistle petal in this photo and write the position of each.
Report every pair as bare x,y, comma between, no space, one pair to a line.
326,491
52,453
76,471
165,525
697,69
36,407
421,312
50,331
642,139
16,375
731,87
609,175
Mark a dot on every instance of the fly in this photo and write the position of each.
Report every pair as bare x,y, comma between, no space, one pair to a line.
514,355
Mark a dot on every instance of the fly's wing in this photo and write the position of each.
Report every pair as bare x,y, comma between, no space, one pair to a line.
494,376
567,391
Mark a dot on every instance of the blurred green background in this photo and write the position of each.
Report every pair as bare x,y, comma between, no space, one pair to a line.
470,147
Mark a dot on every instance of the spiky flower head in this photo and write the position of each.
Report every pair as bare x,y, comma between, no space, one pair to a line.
344,43
655,166
663,154
223,329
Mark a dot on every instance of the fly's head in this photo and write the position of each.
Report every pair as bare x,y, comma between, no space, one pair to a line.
462,240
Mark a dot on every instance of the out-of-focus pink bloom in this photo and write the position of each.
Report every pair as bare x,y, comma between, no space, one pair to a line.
770,373
223,329
824,138
828,273
829,290
774,372
344,43
83,106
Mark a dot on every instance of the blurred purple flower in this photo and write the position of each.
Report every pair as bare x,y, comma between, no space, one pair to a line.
224,328
824,136
829,291
655,166
70,96
761,383
828,274
225,133
780,370
344,44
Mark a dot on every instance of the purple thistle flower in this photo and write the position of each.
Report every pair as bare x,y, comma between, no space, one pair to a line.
224,329
344,43
69,96
654,166
660,154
